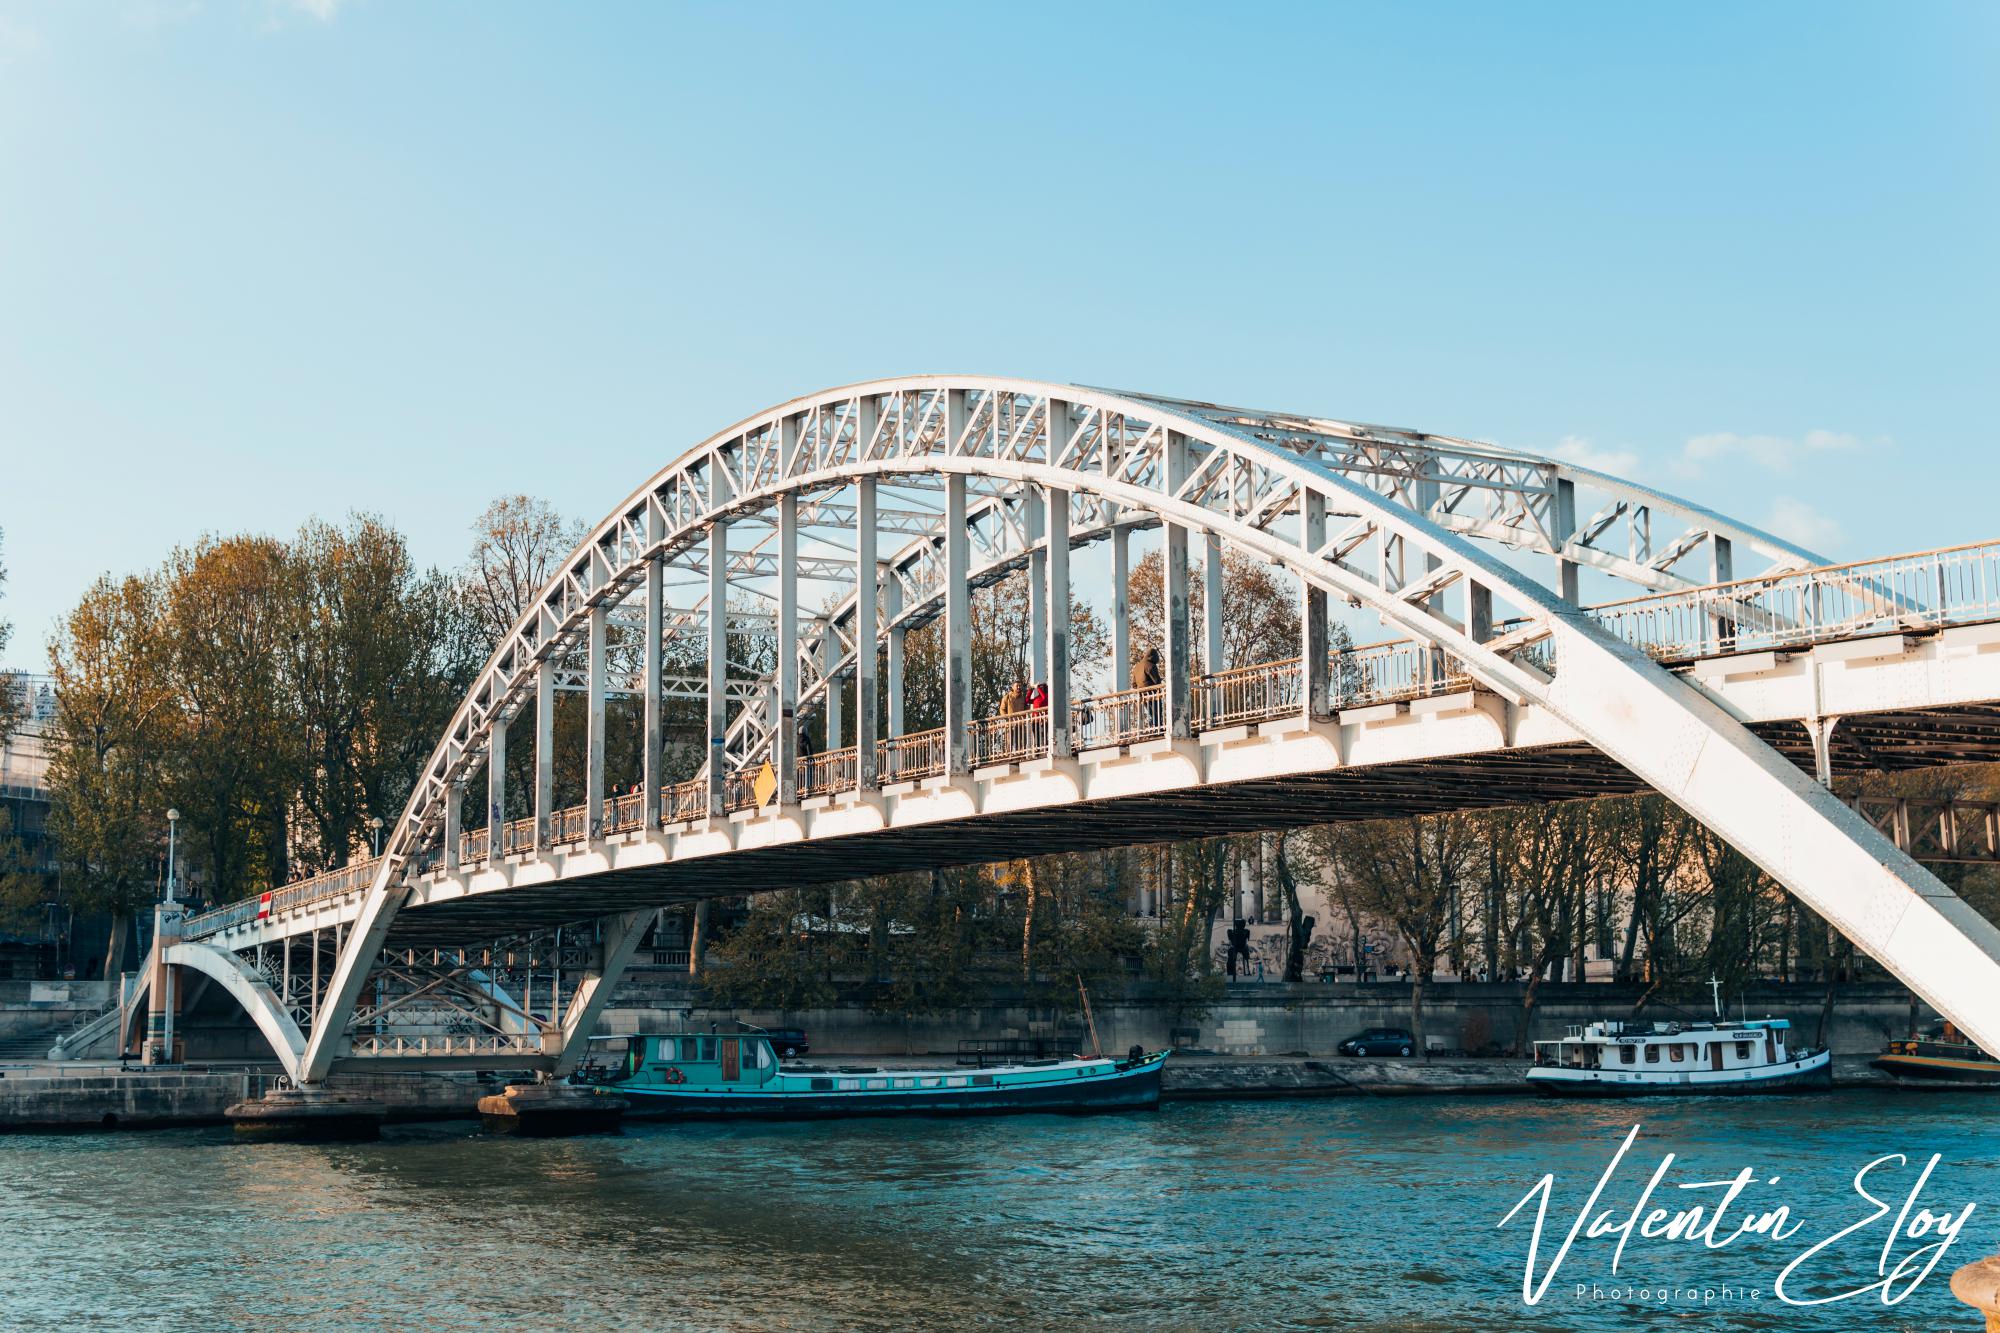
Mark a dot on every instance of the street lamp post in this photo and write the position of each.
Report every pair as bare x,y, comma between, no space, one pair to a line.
375,834
166,920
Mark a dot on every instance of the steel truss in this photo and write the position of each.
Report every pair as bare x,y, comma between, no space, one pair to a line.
1426,532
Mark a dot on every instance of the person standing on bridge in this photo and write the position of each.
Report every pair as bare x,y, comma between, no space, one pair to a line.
1145,675
1015,700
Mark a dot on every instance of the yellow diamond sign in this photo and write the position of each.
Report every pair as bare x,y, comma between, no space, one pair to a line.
766,785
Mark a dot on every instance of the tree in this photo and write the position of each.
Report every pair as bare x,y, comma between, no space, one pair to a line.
1409,872
519,544
376,656
1260,611
1298,926
115,721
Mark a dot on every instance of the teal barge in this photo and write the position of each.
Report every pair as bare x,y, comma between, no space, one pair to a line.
726,1075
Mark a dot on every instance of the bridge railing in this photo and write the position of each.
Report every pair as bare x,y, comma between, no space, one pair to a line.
1122,718
684,801
908,758
1249,694
350,878
1925,591
623,812
1009,738
829,772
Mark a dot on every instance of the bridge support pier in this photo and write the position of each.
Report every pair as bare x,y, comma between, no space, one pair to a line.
306,1115
1978,1285
551,1110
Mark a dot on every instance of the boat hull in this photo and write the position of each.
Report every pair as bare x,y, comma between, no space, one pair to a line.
1938,1072
1809,1075
1136,1089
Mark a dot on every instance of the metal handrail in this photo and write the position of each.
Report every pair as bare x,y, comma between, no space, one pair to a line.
1009,738
623,812
829,772
1119,718
908,758
1248,694
1925,591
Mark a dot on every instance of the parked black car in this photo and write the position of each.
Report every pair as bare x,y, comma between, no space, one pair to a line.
789,1043
1380,1041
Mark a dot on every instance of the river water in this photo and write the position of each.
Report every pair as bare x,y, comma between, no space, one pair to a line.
1350,1213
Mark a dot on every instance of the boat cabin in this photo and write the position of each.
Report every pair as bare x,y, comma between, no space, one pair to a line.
706,1059
1663,1048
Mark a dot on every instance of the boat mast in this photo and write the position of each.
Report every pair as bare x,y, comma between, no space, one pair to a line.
1096,1047
1715,988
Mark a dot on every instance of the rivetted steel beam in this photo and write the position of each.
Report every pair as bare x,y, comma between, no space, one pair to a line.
496,793
545,753
593,768
786,756
957,629
1211,602
718,663
1056,650
1121,614
1038,600
1314,645
1176,670
654,738
892,656
865,575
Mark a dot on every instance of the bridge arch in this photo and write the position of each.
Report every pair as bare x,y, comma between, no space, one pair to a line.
248,988
1395,522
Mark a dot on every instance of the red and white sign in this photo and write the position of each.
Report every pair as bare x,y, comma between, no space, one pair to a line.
263,906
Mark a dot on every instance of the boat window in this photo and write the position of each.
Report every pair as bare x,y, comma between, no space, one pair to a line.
927,1083
822,1085
1652,1055
982,1080
904,1083
708,1048
878,1082
1743,1050
955,1081
849,1084
667,1049
1627,1054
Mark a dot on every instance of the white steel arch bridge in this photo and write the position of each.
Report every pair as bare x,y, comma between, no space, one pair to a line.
1743,672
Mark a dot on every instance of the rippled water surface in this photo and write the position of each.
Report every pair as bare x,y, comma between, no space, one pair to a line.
1345,1213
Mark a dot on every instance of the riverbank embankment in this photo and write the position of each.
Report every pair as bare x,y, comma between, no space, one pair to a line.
84,1096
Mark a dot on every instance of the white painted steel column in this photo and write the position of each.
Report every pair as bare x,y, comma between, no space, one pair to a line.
892,666
718,663
1038,584
1211,604
1056,649
785,741
865,575
1314,644
454,802
957,628
1564,527
833,703
655,721
1176,671
593,768
496,793
545,754
1121,611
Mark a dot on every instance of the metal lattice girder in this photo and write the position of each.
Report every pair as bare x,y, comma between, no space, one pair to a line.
1407,523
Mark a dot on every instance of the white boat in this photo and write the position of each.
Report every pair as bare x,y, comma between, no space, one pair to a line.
1613,1059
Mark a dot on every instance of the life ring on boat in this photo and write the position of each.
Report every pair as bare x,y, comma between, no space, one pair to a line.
673,1075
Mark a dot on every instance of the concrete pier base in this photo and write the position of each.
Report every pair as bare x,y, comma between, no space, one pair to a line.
551,1109
306,1114
1978,1285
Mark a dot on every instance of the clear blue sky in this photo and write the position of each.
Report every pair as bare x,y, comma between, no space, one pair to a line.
260,260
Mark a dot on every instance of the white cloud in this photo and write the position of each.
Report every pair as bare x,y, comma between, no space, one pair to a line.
1797,521
1575,449
1775,453
323,10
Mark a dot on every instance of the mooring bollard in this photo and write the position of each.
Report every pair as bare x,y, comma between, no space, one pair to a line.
1978,1285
